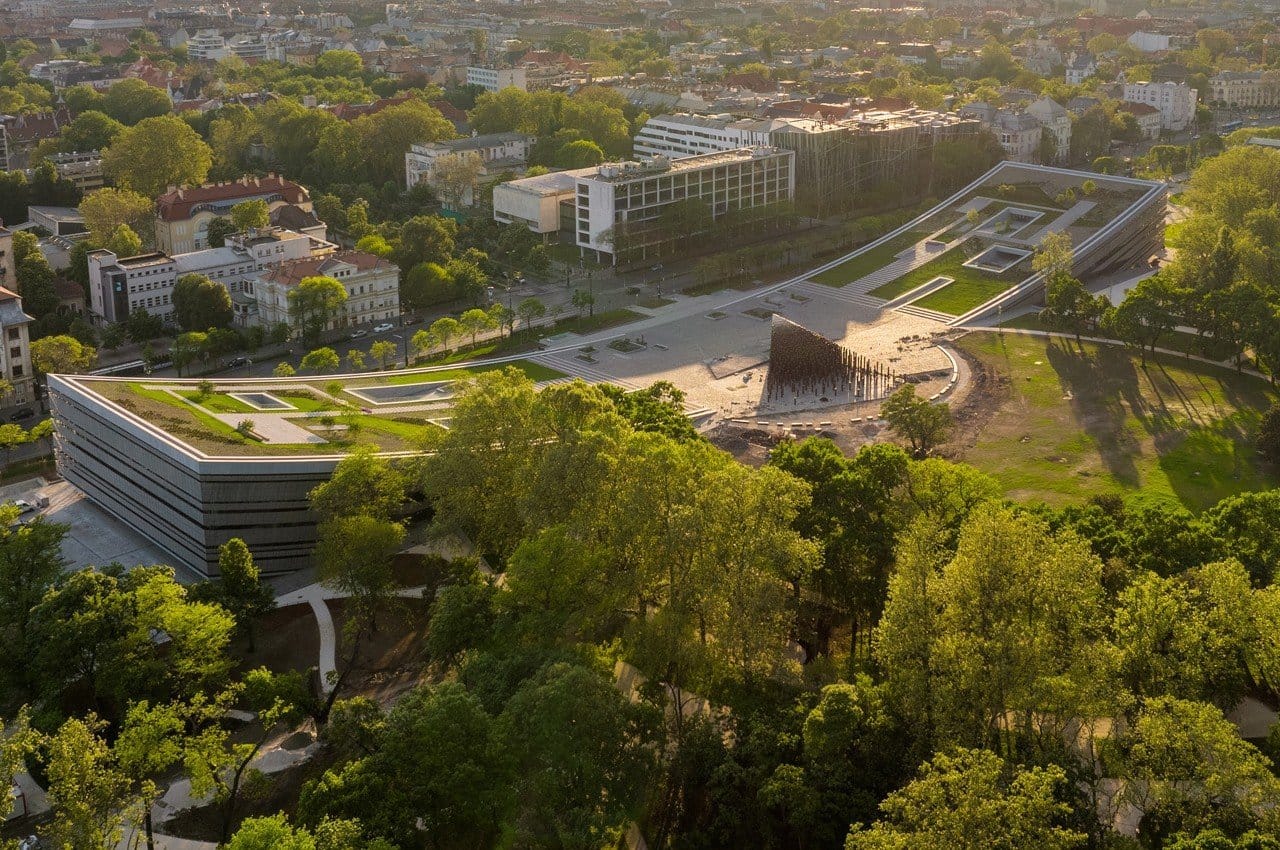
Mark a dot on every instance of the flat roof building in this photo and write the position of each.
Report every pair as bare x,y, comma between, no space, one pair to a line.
617,205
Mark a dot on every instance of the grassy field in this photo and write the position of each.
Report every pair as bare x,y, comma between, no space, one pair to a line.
971,287
217,402
1083,419
867,262
536,371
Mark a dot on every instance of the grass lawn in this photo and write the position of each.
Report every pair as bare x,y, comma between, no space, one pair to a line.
1076,420
971,288
1026,322
865,263
960,297
590,324
407,431
217,402
536,371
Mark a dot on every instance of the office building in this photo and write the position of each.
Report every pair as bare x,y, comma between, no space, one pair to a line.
617,205
497,79
120,285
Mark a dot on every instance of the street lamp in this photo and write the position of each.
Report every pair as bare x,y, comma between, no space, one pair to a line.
404,346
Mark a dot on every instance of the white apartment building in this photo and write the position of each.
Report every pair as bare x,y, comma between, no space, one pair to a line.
1176,102
207,46
372,284
498,153
118,286
1253,89
684,134
496,79
627,195
15,354
1150,42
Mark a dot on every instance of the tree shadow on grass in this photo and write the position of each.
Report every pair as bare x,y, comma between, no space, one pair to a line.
1104,391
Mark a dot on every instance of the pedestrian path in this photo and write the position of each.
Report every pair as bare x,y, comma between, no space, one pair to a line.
925,313
569,364
839,294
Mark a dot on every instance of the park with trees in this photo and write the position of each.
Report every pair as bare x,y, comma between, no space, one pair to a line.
866,650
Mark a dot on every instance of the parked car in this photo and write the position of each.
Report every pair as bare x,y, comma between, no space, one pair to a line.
21,413
239,361
360,334
383,328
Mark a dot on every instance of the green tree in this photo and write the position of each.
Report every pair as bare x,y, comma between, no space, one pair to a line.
529,310
363,484
570,714
30,563
157,153
200,303
426,284
106,209
1269,434
384,351
86,787
973,644
35,277
437,770
220,765
314,303
581,153
149,744
220,227
972,800
425,239
1147,313
61,355
1187,761
239,588
132,101
354,556
474,322
283,370
924,424
445,329
124,242
321,360
1215,41
94,634
249,215
11,436
356,358
90,131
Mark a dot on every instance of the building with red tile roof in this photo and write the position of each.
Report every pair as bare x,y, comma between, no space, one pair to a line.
183,213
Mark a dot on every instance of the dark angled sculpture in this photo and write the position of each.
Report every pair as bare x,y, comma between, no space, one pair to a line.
802,362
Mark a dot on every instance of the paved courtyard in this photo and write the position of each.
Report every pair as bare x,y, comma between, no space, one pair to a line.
717,352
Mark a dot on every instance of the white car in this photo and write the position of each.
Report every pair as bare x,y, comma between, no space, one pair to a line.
383,328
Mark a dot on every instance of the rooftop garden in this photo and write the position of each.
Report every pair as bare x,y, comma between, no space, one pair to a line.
298,416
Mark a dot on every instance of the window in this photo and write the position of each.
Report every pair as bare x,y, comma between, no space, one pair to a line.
15,333
17,370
